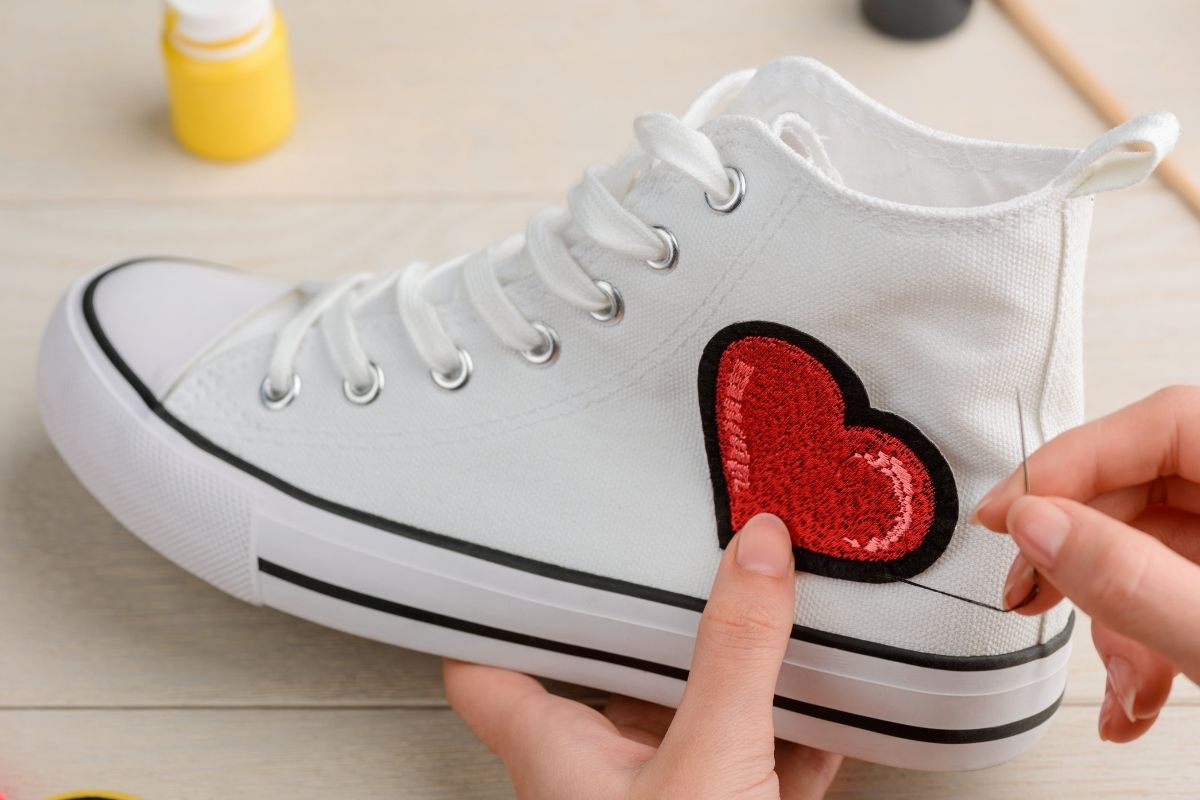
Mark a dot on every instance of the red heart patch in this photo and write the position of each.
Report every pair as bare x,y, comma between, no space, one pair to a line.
789,430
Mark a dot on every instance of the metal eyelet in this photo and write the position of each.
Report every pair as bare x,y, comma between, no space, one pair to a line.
546,352
738,181
368,394
616,304
667,262
457,379
279,400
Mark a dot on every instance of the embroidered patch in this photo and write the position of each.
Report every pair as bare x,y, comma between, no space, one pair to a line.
789,430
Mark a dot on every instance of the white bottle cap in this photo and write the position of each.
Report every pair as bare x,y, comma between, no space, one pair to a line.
214,21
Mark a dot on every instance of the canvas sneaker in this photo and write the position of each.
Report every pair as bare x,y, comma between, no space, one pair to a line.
791,299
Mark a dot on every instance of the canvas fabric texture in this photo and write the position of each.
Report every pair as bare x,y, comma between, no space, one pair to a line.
946,272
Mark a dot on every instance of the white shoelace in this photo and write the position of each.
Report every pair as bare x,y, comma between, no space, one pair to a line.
595,212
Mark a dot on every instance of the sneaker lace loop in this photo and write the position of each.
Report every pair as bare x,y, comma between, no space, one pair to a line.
594,212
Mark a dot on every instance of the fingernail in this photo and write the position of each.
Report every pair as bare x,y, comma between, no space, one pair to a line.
1106,712
765,547
1019,584
1122,680
1040,528
974,516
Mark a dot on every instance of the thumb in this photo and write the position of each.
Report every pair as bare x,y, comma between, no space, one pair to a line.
726,711
1123,578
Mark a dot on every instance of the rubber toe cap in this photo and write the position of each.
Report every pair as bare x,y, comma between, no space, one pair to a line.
161,315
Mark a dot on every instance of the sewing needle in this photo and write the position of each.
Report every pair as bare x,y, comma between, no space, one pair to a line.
1024,444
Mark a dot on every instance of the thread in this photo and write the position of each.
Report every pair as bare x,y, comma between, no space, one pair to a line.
1029,598
1033,592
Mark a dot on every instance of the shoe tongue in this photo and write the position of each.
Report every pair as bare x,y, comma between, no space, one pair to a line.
801,85
796,132
804,102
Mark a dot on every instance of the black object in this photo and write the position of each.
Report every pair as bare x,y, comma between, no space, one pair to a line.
915,19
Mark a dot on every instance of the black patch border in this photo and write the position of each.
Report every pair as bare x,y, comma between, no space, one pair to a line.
859,412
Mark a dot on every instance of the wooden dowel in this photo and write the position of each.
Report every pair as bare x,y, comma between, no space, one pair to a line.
1089,87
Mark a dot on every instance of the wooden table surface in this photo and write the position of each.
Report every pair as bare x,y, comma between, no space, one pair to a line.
427,129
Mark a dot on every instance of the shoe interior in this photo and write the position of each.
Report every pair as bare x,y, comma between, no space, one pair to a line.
882,154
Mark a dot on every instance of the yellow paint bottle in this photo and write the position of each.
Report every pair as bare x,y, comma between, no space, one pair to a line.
228,76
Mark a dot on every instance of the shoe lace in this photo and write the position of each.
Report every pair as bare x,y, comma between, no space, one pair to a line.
595,211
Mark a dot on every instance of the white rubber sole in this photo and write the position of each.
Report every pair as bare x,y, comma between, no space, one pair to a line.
274,545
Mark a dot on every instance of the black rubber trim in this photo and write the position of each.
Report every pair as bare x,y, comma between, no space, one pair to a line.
554,571
886,727
475,628
916,732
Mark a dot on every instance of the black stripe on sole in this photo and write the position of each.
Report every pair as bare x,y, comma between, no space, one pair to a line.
885,727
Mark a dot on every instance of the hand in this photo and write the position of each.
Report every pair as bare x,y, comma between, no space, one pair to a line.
1116,528
720,743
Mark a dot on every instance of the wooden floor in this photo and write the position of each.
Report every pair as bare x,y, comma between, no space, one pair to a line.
427,129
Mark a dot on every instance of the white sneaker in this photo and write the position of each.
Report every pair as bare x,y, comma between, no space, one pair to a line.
791,300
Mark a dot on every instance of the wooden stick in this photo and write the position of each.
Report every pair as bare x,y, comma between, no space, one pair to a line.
1089,87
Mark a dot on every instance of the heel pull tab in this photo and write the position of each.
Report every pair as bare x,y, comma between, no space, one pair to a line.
1125,155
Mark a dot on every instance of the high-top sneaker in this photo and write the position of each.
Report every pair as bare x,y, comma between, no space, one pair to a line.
790,299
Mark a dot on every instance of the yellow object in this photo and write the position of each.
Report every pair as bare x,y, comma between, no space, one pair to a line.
228,76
